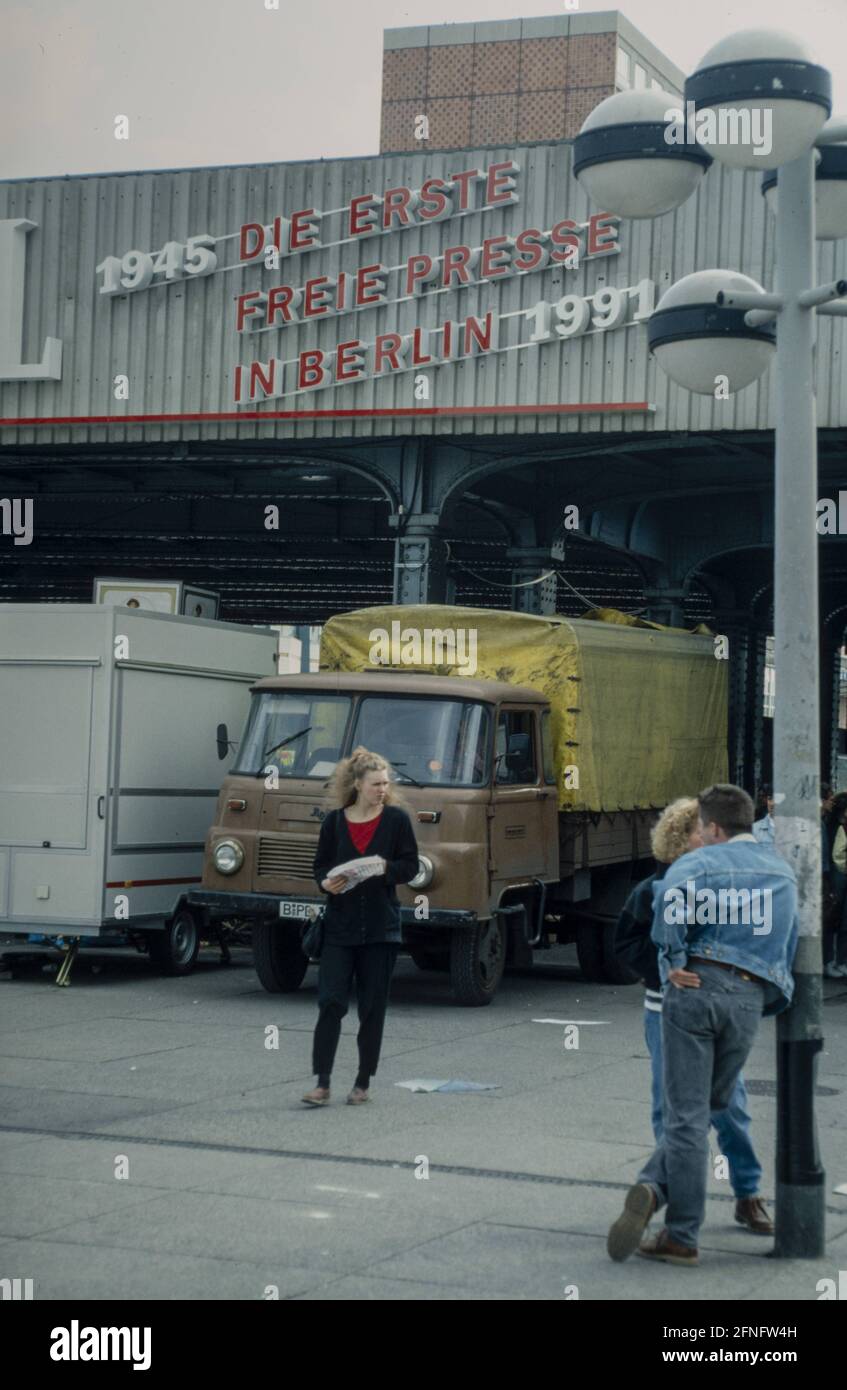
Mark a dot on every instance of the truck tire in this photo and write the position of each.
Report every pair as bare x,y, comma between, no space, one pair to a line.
616,971
174,949
477,958
279,961
590,952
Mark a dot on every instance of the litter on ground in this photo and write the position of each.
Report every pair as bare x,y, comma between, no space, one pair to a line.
445,1086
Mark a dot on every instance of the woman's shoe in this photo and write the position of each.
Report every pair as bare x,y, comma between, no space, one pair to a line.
319,1096
357,1096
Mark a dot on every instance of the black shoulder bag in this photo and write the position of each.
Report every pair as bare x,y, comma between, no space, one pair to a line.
312,935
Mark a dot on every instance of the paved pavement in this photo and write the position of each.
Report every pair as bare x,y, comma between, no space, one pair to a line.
234,1188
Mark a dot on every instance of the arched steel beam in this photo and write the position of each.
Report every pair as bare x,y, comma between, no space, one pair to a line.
518,526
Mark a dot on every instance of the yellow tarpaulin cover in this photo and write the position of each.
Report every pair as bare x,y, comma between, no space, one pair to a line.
639,711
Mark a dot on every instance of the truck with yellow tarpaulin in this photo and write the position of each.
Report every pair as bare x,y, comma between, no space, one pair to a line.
532,754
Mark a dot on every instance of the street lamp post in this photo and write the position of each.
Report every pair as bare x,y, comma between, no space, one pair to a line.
800,1217
716,321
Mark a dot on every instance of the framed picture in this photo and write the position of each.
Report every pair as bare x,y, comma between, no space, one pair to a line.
158,596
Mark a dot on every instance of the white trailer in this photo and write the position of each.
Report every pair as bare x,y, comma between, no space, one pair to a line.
115,736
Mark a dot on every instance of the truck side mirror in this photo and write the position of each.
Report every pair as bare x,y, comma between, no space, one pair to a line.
223,741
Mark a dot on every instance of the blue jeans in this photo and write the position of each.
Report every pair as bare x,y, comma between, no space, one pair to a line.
732,1124
711,1031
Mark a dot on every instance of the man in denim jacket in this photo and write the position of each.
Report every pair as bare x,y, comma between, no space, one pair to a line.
725,922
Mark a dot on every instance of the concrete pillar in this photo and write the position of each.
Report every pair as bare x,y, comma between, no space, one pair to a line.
419,560
665,605
528,563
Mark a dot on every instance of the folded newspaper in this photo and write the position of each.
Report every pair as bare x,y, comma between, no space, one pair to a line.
357,870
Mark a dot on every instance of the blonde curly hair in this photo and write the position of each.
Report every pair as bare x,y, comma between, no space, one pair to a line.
351,770
669,836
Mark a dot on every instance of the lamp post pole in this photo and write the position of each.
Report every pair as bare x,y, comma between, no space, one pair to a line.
800,1193
799,1224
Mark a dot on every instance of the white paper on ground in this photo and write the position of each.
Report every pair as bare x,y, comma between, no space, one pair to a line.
445,1086
584,1022
470,1086
421,1085
841,1188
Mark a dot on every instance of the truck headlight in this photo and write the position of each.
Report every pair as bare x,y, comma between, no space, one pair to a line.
227,856
426,870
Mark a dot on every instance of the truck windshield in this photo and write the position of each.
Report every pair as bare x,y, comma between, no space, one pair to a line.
299,734
435,742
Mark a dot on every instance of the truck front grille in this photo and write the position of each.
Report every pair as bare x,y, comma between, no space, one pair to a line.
286,856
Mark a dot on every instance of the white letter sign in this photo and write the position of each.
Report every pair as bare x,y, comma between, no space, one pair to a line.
12,273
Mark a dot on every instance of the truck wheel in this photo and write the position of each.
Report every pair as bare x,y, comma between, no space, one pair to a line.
616,971
477,957
279,961
589,951
174,949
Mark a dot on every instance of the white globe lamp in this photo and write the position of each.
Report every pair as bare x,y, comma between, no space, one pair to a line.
632,156
830,192
759,99
696,341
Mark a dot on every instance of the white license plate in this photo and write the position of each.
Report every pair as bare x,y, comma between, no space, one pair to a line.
305,909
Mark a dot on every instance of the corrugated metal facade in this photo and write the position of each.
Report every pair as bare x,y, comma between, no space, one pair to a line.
178,343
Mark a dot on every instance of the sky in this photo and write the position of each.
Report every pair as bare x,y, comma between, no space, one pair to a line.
210,82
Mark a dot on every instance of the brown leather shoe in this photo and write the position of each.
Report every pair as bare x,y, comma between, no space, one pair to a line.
626,1232
752,1213
319,1096
661,1247
357,1096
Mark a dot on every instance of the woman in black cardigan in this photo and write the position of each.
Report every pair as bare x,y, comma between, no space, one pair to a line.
362,926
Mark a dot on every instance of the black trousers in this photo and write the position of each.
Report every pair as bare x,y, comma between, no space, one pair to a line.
372,966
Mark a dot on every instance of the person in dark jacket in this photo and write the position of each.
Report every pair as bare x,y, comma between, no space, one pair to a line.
362,923
674,834
835,910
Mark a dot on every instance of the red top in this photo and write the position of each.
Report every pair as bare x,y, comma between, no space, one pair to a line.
362,832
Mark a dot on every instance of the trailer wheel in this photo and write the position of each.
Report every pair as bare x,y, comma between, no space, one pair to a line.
477,958
590,952
615,970
173,950
279,961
